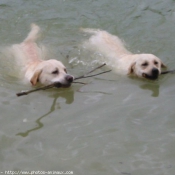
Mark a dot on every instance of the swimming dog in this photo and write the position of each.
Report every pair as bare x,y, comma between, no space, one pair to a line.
123,61
34,68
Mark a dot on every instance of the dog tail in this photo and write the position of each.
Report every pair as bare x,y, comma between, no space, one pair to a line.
33,34
91,31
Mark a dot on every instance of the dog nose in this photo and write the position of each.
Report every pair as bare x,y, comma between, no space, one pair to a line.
155,71
69,78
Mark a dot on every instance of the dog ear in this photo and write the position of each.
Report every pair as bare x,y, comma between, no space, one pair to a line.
163,65
131,68
35,77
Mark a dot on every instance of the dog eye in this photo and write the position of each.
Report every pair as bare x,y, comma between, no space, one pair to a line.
55,72
65,70
156,63
145,64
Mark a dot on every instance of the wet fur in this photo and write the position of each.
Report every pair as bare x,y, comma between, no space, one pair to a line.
34,68
123,61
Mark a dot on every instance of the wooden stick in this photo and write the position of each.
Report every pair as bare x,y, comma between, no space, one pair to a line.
40,88
83,76
168,71
79,82
57,84
43,88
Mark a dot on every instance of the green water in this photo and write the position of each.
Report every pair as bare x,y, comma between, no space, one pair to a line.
112,125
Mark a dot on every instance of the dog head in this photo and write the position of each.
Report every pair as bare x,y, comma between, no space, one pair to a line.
51,71
146,66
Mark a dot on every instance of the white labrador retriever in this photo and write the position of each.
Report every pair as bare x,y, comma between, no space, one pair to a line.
35,69
124,62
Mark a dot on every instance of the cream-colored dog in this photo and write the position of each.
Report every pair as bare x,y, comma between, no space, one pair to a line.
121,60
34,68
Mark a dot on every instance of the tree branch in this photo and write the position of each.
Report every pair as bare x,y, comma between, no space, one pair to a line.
58,84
